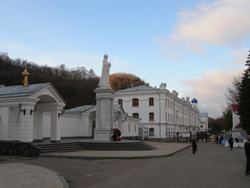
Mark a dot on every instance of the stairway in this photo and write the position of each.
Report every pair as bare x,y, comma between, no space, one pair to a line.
94,146
59,147
116,146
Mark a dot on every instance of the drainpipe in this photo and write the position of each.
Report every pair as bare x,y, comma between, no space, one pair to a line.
159,113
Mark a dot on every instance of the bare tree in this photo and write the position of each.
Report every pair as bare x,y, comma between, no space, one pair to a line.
232,92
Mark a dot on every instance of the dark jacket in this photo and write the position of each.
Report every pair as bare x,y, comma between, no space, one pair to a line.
247,148
194,145
231,141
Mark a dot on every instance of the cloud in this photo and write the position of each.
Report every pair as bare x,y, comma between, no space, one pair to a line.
221,23
18,47
210,90
239,55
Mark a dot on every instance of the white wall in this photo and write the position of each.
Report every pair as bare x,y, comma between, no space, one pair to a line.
4,115
46,124
70,125
130,127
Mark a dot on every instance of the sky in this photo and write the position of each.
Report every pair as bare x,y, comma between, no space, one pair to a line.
196,47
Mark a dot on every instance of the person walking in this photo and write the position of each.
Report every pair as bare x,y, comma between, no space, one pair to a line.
217,139
231,142
247,152
221,138
194,146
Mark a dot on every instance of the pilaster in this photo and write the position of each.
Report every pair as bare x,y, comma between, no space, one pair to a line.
26,132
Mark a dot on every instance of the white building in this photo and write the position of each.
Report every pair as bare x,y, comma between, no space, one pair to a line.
162,113
34,112
203,121
24,111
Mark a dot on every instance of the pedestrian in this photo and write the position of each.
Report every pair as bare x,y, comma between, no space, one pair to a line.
231,142
236,140
194,146
217,139
221,138
247,152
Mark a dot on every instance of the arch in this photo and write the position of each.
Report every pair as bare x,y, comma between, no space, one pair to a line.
151,132
46,99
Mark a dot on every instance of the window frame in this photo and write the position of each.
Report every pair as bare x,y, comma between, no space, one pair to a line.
135,115
135,102
151,116
151,101
120,102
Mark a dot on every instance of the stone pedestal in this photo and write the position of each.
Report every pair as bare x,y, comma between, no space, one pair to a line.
104,113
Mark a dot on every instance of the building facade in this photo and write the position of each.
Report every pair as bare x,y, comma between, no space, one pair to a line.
35,112
162,113
203,121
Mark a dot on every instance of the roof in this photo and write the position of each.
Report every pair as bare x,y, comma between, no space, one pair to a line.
80,109
194,100
139,88
203,114
117,107
20,90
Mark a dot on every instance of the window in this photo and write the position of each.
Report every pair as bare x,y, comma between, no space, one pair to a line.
135,128
151,132
151,116
135,115
135,102
120,102
151,101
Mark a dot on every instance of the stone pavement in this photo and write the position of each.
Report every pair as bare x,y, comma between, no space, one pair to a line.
19,175
163,150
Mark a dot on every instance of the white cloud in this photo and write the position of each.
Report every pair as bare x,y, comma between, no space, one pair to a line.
210,90
240,55
222,23
17,47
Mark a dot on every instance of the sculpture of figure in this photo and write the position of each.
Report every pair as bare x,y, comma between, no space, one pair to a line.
105,71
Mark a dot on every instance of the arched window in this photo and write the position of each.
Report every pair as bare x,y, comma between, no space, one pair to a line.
135,115
135,102
151,132
151,101
151,116
120,102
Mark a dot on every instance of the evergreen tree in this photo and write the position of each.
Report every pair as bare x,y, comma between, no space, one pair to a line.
244,98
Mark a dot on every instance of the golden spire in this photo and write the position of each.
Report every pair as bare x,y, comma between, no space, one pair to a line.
25,76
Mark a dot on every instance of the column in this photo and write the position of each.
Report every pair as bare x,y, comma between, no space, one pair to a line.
40,126
104,114
55,132
26,132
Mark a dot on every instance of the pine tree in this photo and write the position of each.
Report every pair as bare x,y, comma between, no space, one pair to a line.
244,98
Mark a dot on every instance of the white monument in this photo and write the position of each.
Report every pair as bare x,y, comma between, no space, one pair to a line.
104,105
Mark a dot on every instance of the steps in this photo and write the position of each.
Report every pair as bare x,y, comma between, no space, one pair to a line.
60,147
94,146
116,146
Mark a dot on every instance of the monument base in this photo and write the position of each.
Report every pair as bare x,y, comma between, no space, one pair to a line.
103,135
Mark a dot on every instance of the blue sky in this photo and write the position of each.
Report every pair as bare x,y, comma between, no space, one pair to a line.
195,46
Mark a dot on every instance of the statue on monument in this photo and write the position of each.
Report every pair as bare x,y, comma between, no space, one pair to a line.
105,72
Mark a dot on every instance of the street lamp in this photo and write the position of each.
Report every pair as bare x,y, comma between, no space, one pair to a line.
20,108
